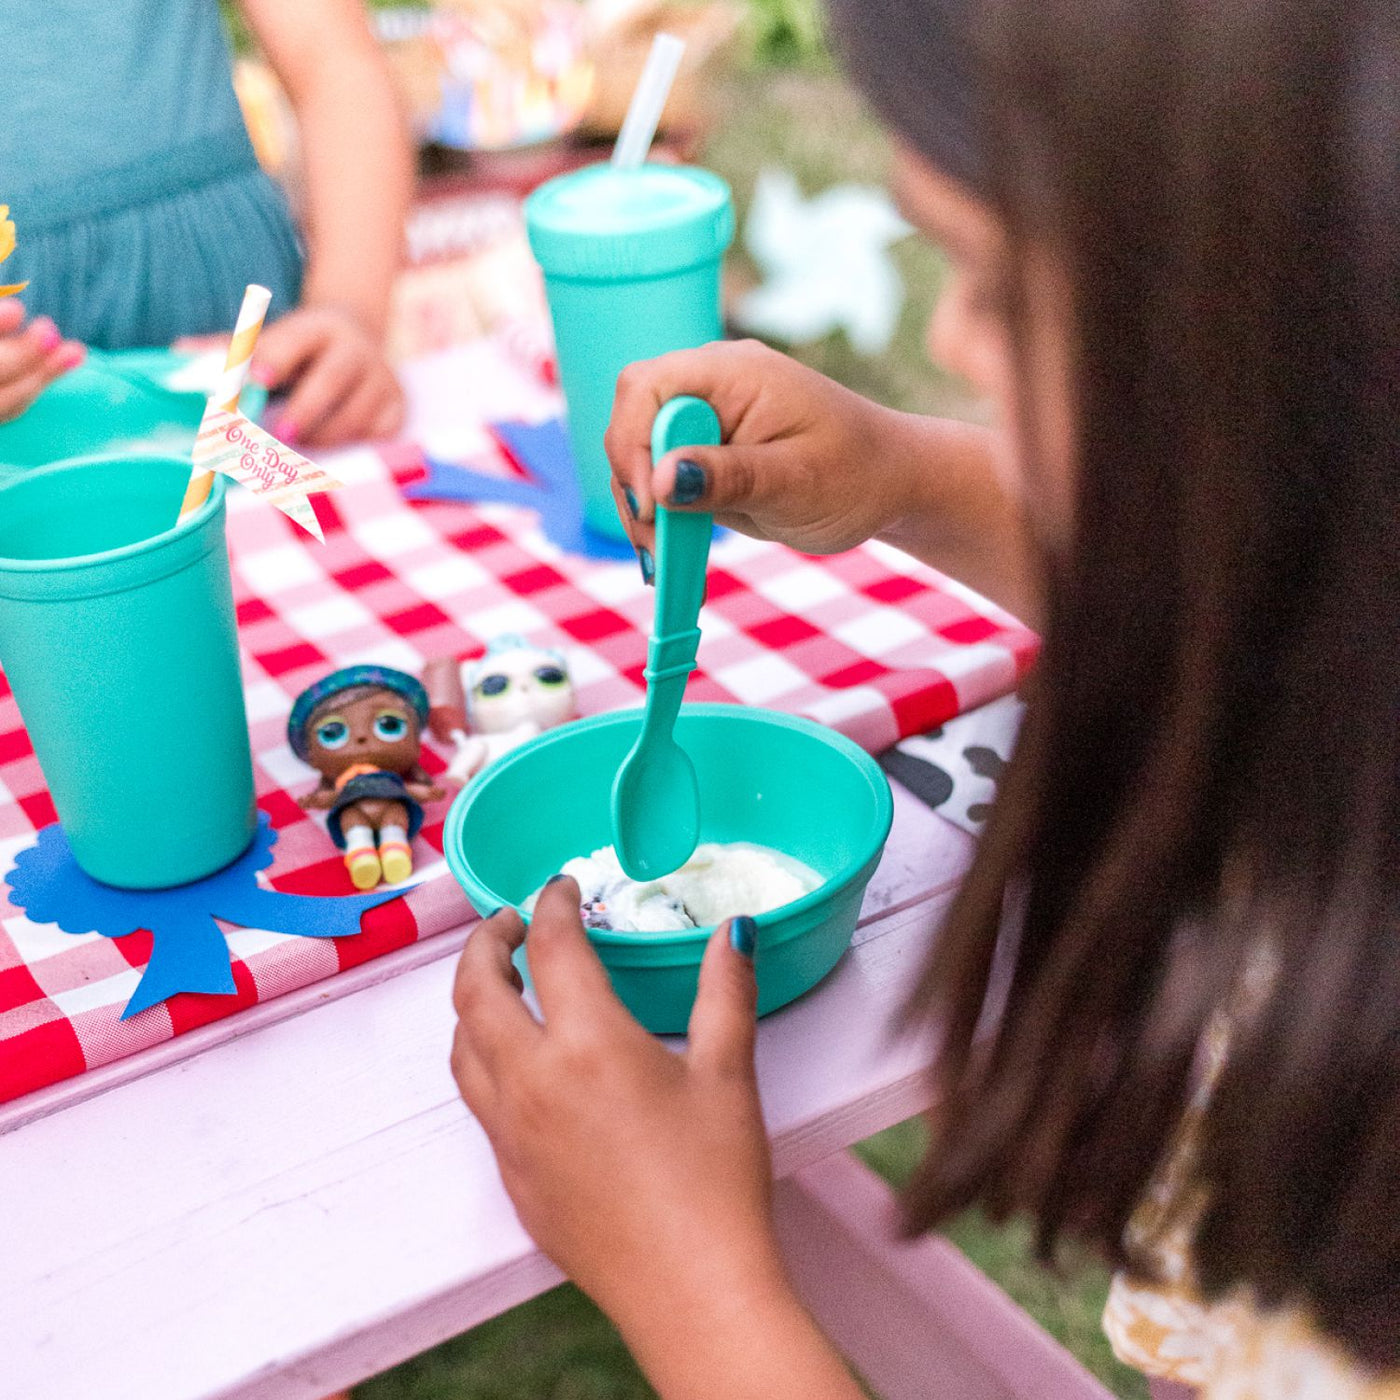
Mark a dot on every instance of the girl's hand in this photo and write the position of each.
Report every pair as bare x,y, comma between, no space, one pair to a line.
642,1173
31,357
804,460
819,468
341,388
320,800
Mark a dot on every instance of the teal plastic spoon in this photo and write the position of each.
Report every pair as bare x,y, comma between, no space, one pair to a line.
655,796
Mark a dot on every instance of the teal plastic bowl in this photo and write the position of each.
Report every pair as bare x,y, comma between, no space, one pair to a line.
782,782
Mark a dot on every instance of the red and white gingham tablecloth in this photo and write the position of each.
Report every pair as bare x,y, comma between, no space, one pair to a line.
867,642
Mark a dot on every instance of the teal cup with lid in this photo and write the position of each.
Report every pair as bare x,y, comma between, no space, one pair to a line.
118,639
631,262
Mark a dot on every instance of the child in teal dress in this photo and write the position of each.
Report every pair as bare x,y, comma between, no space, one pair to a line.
142,212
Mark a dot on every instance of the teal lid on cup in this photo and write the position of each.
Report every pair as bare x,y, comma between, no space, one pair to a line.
605,224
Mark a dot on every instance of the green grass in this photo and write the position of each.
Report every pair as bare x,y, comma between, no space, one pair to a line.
786,33
558,1346
555,1347
1067,1302
811,123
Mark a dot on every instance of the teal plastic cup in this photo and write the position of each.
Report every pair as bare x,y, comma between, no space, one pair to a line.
782,782
118,639
631,262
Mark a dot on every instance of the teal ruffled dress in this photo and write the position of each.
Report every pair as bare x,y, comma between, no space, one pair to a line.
140,208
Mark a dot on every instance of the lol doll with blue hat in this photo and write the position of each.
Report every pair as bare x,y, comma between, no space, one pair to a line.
360,728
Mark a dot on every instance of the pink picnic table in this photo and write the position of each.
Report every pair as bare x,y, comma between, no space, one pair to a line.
291,1200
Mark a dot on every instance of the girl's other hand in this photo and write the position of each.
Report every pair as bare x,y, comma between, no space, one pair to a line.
31,357
339,385
804,460
642,1173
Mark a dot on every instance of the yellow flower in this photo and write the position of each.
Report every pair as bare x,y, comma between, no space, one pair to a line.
7,246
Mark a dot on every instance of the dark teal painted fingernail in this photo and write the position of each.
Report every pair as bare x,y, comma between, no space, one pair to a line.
743,935
648,565
555,879
630,497
690,483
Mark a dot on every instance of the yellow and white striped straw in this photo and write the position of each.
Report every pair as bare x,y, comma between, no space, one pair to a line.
230,386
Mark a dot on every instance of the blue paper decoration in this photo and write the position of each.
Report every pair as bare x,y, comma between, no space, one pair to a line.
543,450
188,952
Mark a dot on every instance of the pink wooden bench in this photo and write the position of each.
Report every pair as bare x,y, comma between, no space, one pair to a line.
305,1202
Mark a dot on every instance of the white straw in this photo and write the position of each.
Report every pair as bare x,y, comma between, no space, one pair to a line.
644,111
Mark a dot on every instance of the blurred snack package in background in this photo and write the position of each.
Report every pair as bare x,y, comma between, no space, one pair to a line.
501,95
490,75
484,76
470,273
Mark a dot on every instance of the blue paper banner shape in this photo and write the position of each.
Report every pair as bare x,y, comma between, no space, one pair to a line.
188,952
543,450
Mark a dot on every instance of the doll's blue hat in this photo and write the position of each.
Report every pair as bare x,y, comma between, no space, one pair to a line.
347,678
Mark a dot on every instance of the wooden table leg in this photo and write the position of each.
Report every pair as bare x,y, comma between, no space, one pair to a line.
916,1318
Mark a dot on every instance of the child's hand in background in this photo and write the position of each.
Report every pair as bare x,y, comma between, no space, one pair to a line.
339,386
31,357
804,459
642,1173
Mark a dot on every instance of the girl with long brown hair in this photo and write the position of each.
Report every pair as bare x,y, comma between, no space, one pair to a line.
1174,236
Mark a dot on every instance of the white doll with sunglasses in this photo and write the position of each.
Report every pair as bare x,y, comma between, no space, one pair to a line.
487,706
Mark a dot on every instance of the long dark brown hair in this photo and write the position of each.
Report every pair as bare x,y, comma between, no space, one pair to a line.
1209,775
